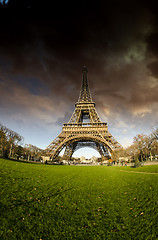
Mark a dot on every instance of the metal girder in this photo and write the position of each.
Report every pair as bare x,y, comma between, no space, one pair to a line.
69,150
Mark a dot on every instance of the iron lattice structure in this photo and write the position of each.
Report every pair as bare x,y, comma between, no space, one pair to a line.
84,128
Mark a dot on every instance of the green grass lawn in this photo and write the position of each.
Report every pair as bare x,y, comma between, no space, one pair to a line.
147,169
40,201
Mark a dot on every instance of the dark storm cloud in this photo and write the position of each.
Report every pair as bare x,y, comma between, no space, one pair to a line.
153,66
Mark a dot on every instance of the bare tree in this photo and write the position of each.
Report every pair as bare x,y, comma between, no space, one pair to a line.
9,140
32,152
3,140
154,133
141,142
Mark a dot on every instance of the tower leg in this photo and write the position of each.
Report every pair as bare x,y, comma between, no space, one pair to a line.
103,152
69,150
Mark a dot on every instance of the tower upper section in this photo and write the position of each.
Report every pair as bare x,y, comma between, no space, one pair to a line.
85,95
85,108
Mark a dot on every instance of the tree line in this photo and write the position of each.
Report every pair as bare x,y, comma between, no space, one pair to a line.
143,148
11,145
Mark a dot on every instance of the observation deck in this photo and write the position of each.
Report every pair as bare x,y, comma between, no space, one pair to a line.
85,127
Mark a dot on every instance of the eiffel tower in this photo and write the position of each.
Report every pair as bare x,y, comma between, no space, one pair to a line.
84,129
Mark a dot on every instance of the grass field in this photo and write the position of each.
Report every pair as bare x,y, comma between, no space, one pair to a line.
77,202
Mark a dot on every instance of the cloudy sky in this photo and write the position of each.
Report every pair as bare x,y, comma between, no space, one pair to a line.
44,47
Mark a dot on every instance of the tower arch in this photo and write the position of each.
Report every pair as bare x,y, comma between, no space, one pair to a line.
75,142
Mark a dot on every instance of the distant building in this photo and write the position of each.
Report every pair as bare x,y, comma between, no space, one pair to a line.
123,159
45,158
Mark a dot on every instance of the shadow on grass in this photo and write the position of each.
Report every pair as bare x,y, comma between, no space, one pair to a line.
18,160
30,162
138,165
